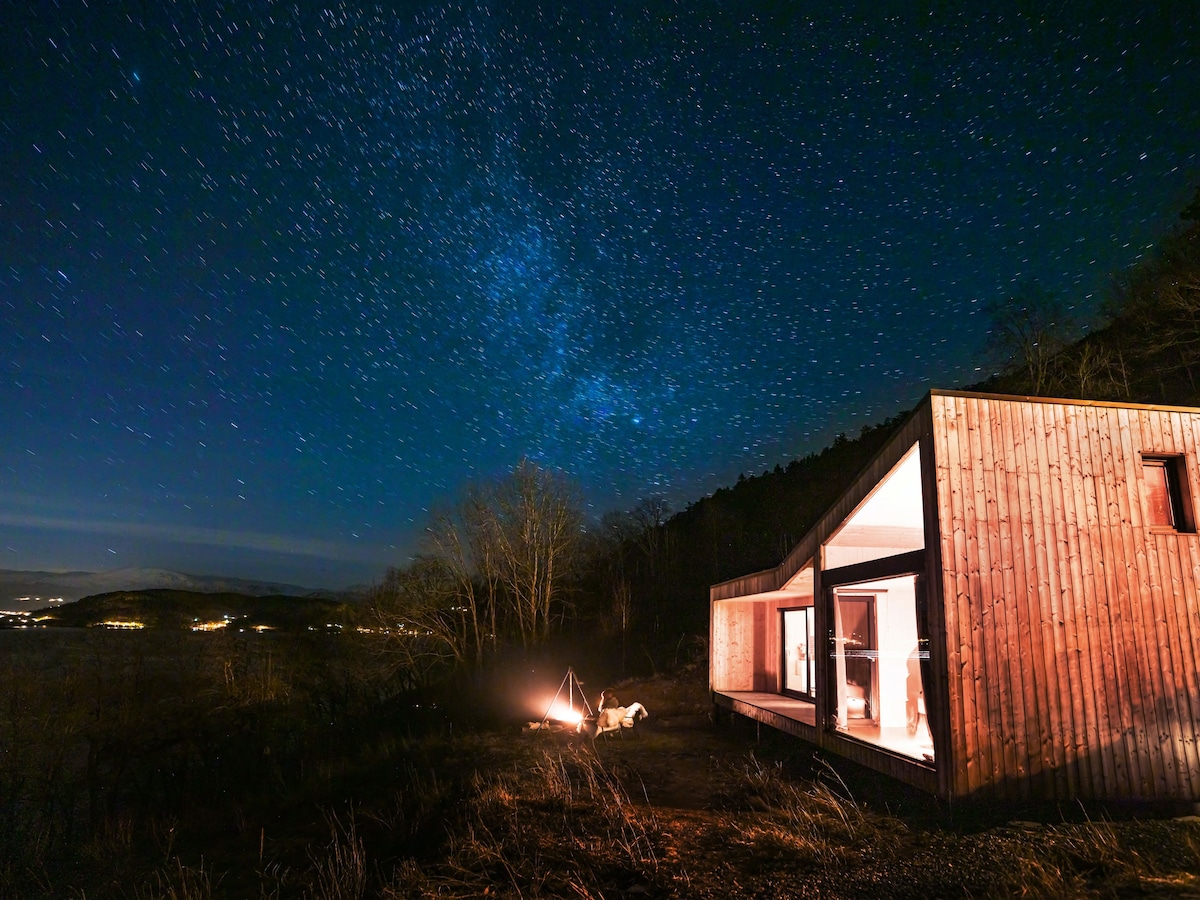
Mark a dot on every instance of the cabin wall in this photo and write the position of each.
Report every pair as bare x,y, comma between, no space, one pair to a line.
1074,625
746,646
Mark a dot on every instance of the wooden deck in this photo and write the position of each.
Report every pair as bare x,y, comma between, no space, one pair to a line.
899,755
786,714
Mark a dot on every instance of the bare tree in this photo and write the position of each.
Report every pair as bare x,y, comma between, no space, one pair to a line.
1030,328
1159,302
455,537
527,529
494,565
622,613
1090,369
607,549
423,618
649,519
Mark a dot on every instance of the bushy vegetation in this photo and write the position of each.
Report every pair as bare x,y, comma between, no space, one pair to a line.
120,750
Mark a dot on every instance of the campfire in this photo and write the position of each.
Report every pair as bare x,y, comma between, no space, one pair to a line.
562,715
561,712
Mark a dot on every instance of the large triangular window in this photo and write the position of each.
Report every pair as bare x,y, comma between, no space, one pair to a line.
889,522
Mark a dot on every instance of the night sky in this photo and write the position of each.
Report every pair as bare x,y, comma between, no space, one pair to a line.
274,281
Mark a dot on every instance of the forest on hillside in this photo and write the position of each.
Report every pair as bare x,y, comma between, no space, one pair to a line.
513,563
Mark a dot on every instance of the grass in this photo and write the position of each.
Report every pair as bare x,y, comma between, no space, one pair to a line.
339,869
562,825
179,882
301,788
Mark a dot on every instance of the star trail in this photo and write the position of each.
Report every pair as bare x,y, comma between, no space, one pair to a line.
274,280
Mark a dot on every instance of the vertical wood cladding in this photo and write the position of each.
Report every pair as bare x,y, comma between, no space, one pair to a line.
1072,627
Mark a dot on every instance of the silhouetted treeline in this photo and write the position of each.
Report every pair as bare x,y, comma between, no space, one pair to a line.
1145,349
175,609
665,564
650,571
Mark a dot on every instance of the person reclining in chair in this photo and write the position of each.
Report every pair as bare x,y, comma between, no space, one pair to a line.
613,718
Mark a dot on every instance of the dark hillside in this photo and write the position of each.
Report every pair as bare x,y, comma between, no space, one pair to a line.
740,529
1146,351
184,609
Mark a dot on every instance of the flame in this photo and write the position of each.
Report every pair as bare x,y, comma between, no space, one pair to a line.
561,712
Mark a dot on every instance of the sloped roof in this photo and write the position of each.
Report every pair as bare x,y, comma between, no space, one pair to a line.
860,487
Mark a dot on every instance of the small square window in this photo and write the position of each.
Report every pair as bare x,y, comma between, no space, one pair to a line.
1168,503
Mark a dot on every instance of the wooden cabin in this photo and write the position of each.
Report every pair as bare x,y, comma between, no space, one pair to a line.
1002,604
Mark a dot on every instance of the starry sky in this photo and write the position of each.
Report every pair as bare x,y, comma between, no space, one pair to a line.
275,279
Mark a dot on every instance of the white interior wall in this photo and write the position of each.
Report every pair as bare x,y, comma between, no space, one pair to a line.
896,611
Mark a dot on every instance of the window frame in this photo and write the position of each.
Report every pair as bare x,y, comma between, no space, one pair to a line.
810,644
1179,496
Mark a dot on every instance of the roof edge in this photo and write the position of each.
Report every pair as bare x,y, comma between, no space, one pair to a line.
778,575
783,572
1065,401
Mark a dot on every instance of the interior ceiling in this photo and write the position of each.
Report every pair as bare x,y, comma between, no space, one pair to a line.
900,537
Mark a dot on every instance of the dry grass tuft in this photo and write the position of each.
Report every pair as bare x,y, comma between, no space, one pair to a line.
339,871
1071,859
563,826
180,882
817,821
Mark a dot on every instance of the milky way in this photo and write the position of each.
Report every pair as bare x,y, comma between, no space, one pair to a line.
275,281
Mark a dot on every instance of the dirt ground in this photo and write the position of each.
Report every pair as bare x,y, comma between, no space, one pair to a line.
744,813
680,759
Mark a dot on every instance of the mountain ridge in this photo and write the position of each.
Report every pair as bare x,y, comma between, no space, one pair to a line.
174,609
29,590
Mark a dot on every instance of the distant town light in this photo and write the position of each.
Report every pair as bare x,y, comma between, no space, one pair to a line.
210,626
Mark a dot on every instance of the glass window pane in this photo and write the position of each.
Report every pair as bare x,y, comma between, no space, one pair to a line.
799,664
1158,493
889,522
879,695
